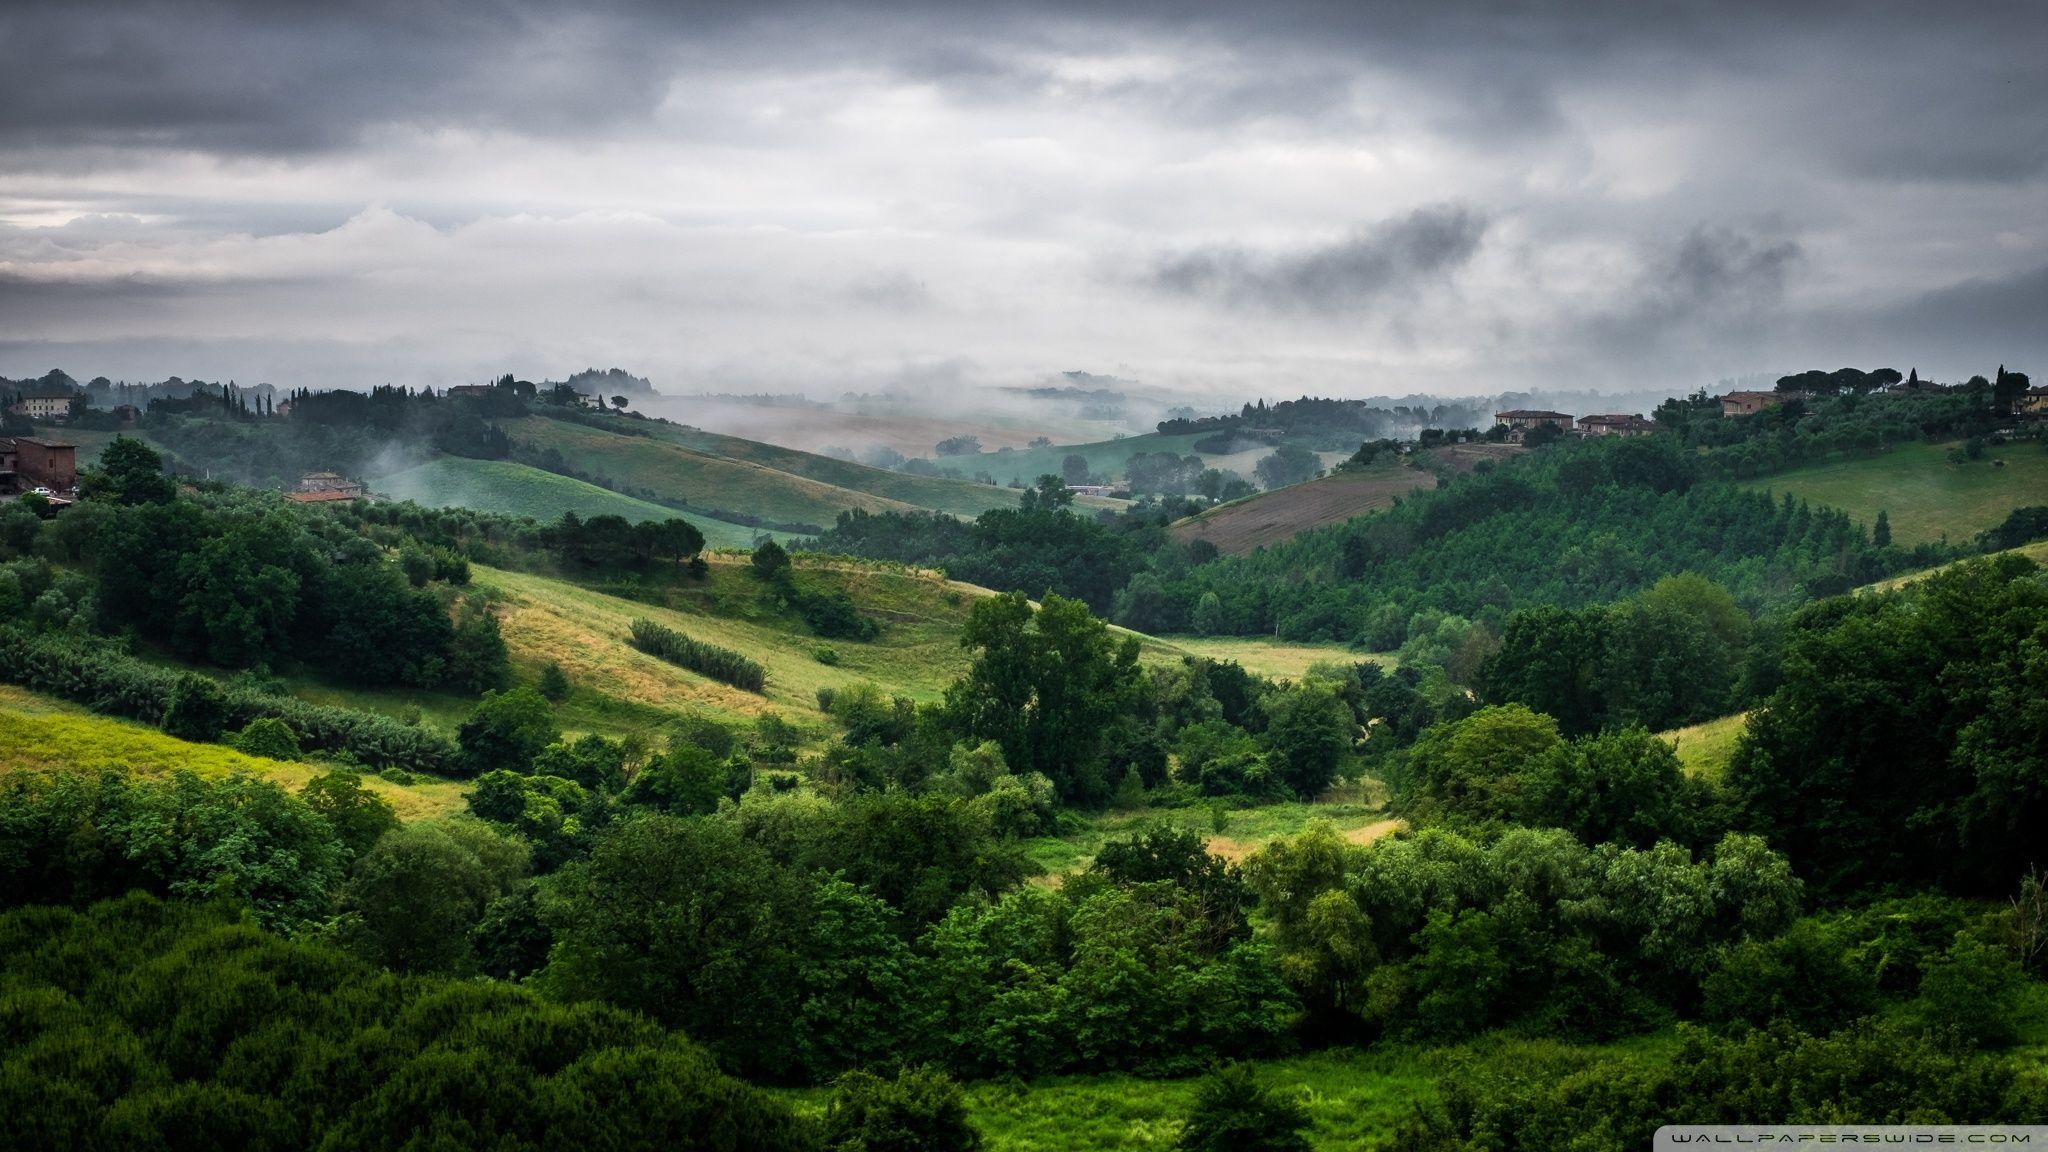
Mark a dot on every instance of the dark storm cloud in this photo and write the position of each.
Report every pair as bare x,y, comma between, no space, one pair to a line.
1395,255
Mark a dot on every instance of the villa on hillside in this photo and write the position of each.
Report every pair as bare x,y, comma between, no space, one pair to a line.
325,487
1519,421
1615,424
27,462
49,406
2031,404
1751,403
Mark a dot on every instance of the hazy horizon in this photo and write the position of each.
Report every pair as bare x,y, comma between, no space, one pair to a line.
1213,201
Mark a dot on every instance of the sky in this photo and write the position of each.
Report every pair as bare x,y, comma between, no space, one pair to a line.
1219,199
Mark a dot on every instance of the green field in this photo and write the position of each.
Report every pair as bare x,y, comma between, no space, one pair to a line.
1276,658
510,489
38,734
1352,1095
1705,749
917,653
686,476
959,497
1926,497
2037,552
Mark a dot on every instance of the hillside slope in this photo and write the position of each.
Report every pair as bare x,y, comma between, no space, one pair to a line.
39,734
700,479
960,497
521,490
1925,496
1270,517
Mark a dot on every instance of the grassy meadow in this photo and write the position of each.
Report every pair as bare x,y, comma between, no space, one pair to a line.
1926,497
510,489
1705,749
959,497
1286,659
38,734
687,476
916,654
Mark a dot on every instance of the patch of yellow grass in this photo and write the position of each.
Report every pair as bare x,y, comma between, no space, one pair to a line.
917,653
42,735
1705,749
1277,658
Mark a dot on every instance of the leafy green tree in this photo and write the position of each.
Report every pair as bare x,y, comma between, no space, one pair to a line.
477,659
592,761
684,781
554,683
358,816
1974,991
1233,1112
1046,687
197,710
689,923
269,737
1623,787
1288,464
413,898
921,1110
1881,532
1877,688
1308,734
506,730
129,472
1474,767
770,560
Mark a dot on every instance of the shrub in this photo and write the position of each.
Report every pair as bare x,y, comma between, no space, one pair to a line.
1234,1113
708,659
197,709
919,1111
829,657
269,737
554,683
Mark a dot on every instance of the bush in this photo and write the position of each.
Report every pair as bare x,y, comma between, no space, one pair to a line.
919,1111
554,683
197,709
268,737
829,657
708,659
1233,1113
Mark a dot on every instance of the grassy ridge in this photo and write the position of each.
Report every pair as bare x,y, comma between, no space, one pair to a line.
917,652
520,490
687,476
1270,517
1925,496
959,497
41,734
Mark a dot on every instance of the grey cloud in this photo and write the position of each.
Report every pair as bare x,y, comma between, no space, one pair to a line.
1421,248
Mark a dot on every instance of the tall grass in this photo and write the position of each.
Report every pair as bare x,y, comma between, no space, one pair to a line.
709,659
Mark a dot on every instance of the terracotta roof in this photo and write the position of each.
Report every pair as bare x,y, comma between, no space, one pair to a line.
1527,413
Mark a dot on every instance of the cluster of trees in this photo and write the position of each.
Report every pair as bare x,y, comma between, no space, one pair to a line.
138,1024
1585,524
1031,549
1674,654
1834,421
1902,745
236,580
617,543
722,664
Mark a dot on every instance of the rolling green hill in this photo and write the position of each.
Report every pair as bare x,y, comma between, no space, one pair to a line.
520,490
688,476
960,497
39,734
1925,496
